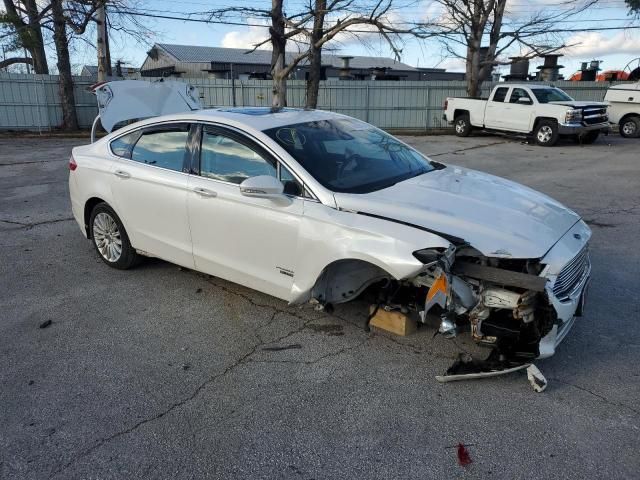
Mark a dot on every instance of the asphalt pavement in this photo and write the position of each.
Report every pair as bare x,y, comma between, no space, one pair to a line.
162,372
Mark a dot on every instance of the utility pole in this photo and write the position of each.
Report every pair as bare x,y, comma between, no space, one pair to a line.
101,21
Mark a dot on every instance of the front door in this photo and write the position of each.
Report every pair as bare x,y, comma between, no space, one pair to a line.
247,240
150,190
521,112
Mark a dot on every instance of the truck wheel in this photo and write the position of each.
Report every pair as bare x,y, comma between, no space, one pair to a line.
630,127
546,133
462,125
588,138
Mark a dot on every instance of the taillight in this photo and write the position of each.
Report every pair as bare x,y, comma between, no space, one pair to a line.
446,103
72,164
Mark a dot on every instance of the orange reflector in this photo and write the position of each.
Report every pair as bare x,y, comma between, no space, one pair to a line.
440,285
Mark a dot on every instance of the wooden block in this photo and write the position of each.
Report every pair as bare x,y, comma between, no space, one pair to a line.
395,322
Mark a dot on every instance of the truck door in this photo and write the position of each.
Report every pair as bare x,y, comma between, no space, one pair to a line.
520,110
495,114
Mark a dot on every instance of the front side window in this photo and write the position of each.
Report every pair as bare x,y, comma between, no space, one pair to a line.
165,148
517,94
500,95
222,158
546,95
347,155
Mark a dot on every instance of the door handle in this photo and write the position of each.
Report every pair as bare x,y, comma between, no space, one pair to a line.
203,192
122,174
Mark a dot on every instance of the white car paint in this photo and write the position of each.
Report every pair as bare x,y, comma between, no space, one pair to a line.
281,246
624,103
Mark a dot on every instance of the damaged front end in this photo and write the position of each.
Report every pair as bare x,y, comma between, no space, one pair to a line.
502,302
520,308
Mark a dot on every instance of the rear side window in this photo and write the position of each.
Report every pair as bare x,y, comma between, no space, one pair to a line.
122,146
500,94
165,148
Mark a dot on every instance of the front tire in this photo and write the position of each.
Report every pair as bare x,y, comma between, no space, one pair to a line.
110,239
546,133
630,127
462,125
588,138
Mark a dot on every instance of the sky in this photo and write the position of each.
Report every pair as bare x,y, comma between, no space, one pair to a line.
615,48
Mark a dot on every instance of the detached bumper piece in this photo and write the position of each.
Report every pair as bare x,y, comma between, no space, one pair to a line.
466,368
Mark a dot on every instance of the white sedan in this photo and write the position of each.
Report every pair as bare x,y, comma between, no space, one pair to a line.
316,206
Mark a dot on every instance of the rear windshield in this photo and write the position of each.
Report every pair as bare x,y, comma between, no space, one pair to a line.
347,155
546,95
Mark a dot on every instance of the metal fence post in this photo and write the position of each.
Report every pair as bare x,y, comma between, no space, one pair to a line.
366,112
428,106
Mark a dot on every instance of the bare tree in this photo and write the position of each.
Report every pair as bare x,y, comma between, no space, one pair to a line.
61,41
25,19
311,31
467,24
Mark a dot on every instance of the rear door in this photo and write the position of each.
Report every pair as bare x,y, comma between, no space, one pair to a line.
150,190
248,240
496,111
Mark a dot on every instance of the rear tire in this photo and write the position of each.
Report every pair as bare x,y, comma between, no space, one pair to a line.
546,133
462,125
630,127
110,239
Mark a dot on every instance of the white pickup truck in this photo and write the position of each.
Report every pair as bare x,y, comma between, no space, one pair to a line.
539,111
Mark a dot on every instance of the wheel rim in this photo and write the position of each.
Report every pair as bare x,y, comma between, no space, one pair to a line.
460,126
106,236
544,134
629,128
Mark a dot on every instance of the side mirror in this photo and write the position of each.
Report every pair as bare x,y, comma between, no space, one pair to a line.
262,186
525,101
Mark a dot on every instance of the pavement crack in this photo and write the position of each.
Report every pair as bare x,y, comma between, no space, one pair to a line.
29,226
597,395
240,361
474,147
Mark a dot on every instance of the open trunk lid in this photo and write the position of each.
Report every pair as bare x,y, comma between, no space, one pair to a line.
138,99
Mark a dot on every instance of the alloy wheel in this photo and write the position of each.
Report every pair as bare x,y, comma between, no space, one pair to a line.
544,134
106,235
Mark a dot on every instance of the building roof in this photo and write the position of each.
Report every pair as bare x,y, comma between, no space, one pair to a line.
197,54
93,70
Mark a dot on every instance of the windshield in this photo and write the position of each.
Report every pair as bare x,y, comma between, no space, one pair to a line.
546,95
347,155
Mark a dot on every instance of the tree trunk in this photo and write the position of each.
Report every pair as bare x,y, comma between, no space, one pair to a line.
29,34
36,47
69,117
107,48
473,78
315,54
278,43
101,22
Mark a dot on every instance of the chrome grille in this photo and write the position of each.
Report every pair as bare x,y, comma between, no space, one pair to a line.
593,115
572,275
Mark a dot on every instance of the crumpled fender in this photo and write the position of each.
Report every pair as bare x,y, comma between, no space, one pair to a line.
327,235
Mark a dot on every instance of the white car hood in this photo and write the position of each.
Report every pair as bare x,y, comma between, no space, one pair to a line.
498,217
577,104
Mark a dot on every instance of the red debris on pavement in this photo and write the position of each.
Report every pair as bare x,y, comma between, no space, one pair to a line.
463,455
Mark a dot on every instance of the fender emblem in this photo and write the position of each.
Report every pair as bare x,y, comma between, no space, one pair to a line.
577,236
